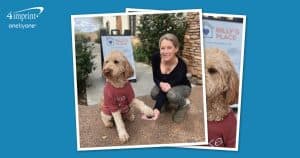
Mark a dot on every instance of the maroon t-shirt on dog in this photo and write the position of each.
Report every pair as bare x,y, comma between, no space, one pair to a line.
117,98
222,133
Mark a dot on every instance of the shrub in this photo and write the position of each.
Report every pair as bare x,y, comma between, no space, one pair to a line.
84,64
140,55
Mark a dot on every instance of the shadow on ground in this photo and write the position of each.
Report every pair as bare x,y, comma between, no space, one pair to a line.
162,131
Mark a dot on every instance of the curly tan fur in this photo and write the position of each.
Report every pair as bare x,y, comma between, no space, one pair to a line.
221,84
117,70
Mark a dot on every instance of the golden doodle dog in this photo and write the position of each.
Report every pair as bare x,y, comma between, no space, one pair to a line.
119,98
222,85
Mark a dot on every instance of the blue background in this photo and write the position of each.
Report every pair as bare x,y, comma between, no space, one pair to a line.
37,114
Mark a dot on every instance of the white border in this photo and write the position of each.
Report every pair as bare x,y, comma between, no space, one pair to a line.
75,81
241,75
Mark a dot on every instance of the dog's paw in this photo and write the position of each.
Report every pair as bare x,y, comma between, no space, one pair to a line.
131,117
147,111
109,124
123,136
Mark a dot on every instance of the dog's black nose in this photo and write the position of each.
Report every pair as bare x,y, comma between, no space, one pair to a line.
107,71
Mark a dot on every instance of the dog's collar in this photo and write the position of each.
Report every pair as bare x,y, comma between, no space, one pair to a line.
118,85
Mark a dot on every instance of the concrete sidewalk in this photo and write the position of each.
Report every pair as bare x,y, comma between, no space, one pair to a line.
93,133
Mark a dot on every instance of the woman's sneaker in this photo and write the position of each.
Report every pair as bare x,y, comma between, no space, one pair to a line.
180,112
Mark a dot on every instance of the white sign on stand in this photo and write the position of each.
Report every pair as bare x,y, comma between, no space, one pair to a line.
226,35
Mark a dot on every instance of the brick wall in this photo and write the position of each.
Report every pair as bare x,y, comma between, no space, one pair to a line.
119,23
192,47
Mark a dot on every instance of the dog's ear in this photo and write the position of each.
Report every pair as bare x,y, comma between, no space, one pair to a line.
128,69
232,93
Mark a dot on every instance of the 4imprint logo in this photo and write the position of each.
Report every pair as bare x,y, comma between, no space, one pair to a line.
24,18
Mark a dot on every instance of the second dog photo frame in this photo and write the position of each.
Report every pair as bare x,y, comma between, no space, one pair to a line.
224,42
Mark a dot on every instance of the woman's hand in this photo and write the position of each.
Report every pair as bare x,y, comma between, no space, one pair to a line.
164,86
154,117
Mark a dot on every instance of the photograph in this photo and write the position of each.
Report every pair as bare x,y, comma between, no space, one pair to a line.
138,79
223,38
